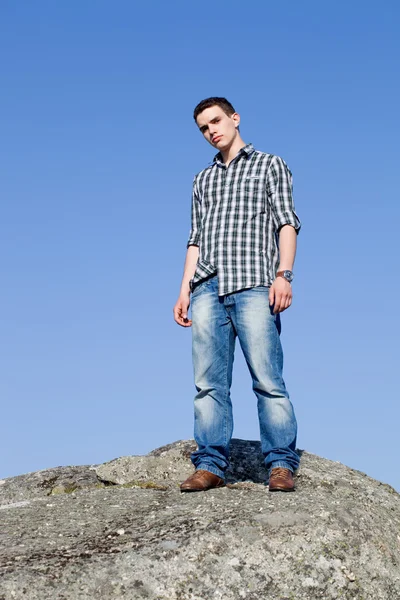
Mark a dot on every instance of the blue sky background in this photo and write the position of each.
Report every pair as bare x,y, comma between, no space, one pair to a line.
98,149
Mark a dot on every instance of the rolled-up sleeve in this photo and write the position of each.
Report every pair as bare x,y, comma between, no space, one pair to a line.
280,194
194,235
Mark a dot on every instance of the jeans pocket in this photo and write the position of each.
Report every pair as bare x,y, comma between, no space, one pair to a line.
201,287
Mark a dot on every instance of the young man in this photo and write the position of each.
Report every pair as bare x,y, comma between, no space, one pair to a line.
238,268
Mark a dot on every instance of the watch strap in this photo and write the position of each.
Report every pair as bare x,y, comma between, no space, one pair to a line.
282,274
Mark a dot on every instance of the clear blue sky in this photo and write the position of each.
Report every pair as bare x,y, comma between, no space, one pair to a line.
98,152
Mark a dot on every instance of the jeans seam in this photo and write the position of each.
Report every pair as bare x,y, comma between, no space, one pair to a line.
279,357
227,386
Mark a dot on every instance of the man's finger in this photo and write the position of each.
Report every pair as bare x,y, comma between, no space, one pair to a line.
282,307
278,302
181,315
271,296
185,322
178,314
185,311
283,304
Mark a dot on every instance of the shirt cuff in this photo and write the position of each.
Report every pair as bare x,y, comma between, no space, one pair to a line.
288,218
193,241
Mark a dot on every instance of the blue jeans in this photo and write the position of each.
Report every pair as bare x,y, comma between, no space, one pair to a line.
216,321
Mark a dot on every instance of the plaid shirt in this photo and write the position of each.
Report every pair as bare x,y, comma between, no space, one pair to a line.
237,212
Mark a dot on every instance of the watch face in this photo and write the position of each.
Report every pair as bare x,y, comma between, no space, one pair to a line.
288,275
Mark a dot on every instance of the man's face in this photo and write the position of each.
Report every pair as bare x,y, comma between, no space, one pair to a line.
218,128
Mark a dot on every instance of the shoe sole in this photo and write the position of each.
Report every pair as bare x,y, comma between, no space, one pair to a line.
202,489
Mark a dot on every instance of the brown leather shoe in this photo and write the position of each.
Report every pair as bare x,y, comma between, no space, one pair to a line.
201,481
281,480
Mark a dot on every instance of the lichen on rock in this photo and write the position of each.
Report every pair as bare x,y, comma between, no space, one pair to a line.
124,530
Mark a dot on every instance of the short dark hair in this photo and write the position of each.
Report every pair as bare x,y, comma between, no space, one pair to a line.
214,101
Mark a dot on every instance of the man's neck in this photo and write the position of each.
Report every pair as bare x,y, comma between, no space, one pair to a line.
230,153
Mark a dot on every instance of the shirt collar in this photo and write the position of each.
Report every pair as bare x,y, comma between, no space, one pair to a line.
246,151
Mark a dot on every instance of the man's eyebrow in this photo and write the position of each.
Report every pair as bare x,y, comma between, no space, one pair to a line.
211,121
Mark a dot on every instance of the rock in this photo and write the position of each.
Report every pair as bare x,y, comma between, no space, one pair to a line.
124,530
47,482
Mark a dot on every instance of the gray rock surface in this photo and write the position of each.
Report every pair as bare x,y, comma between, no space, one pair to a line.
124,530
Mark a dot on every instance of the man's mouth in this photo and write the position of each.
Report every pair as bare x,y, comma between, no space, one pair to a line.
216,139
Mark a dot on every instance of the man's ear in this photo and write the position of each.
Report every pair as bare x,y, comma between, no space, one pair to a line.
236,117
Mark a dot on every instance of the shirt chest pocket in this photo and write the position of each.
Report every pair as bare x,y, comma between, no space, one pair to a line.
252,195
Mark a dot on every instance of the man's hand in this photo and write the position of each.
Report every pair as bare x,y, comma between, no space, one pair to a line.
280,295
181,310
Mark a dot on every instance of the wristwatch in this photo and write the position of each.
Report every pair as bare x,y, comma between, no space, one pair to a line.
288,275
